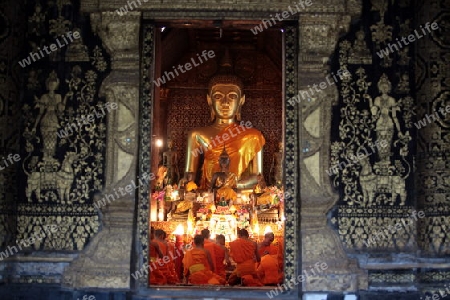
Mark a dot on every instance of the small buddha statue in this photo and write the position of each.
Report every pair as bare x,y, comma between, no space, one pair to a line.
170,161
244,143
261,185
224,182
276,169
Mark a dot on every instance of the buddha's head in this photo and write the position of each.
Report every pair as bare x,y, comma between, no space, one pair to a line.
225,95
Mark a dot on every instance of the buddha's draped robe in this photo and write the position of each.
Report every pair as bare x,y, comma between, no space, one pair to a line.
242,146
196,264
156,276
268,270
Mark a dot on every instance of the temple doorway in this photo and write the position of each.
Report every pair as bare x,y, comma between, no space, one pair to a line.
187,57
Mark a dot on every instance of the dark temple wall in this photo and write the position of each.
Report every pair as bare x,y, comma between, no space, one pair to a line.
383,190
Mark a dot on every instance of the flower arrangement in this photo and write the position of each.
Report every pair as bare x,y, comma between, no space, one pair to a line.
191,186
276,193
159,195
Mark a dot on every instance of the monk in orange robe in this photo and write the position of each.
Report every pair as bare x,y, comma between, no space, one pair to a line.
244,252
198,265
268,271
221,256
171,264
156,276
210,245
267,246
164,267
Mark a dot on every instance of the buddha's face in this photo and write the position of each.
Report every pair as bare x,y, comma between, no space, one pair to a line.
225,100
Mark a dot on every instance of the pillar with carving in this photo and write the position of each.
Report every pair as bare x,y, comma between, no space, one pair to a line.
320,244
105,263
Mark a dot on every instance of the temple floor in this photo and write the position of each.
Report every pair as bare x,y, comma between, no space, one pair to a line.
55,292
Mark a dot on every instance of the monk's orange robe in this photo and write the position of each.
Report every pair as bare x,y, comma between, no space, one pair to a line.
196,265
243,253
268,271
171,265
166,268
280,258
156,276
242,146
211,247
270,250
220,257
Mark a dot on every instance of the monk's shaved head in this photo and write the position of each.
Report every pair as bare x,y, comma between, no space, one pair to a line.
270,236
160,233
244,233
206,233
199,240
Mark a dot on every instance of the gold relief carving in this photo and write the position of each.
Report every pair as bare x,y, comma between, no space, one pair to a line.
72,231
366,165
119,34
359,53
106,261
361,228
47,177
391,278
381,36
320,243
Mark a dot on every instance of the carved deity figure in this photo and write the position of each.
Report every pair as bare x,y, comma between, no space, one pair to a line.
224,183
49,106
384,110
360,53
243,143
170,161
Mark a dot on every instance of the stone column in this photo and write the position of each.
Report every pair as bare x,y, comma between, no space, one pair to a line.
324,262
105,263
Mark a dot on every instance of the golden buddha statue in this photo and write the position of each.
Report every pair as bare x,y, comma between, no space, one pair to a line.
224,183
244,143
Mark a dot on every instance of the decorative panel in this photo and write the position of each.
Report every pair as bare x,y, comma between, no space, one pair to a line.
63,126
433,160
373,141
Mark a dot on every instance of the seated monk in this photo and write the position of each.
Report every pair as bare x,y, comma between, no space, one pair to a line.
244,143
165,268
268,270
221,256
224,183
210,245
266,246
244,252
198,265
156,276
171,265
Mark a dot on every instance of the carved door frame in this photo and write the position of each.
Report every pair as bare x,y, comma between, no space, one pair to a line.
292,131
